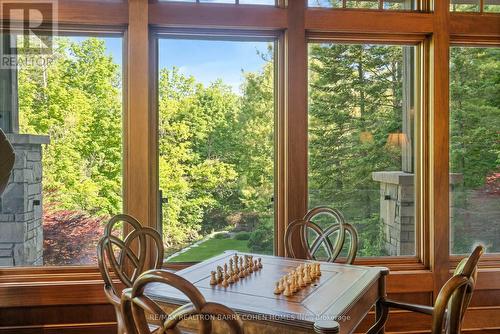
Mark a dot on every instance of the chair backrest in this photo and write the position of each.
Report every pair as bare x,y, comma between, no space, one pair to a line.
140,311
126,258
456,294
7,158
314,240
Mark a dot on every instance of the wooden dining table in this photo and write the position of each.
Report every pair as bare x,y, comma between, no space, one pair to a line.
343,293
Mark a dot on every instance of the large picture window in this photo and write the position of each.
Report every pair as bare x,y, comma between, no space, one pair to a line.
216,146
362,141
474,149
66,130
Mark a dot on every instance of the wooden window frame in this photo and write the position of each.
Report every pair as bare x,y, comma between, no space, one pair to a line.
427,273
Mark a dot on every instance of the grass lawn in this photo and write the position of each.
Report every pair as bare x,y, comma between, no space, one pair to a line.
210,248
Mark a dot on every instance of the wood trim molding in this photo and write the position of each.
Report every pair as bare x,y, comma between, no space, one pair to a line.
439,145
140,200
84,12
164,14
473,24
296,114
369,21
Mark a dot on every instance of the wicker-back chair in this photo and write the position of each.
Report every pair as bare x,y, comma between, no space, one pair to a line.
140,311
321,238
125,259
451,303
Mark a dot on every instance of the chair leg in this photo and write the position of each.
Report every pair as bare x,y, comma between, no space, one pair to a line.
381,313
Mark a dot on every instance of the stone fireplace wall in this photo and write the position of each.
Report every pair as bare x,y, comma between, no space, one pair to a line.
21,214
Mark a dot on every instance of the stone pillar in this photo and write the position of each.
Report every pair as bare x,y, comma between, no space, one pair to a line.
21,230
397,211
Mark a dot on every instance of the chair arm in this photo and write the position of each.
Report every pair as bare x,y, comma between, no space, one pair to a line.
409,307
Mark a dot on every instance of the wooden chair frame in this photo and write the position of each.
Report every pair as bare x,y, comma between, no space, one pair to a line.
136,305
129,262
303,226
451,303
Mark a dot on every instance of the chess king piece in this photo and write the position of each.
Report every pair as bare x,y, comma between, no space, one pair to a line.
277,290
213,280
307,277
236,267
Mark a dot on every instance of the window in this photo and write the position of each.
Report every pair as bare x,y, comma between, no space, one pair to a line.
474,149
475,6
365,4
67,133
362,142
216,146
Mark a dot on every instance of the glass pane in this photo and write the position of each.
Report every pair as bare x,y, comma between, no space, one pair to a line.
474,149
67,180
365,4
464,5
361,143
258,2
325,3
492,6
216,147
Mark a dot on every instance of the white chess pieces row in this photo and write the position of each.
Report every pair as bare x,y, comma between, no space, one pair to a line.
239,268
298,279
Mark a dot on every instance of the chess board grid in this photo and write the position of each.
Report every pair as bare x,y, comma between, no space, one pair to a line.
337,280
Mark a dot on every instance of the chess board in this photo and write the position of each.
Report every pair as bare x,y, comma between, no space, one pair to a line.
342,292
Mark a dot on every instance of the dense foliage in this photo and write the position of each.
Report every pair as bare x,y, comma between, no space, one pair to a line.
355,103
475,147
216,147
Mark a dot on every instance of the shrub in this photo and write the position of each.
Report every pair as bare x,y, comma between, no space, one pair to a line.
221,236
242,235
261,240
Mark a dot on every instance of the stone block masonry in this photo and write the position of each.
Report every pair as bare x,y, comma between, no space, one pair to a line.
21,214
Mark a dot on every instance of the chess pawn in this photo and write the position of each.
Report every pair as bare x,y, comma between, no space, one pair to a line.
281,285
225,283
287,291
213,280
277,290
260,263
235,277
